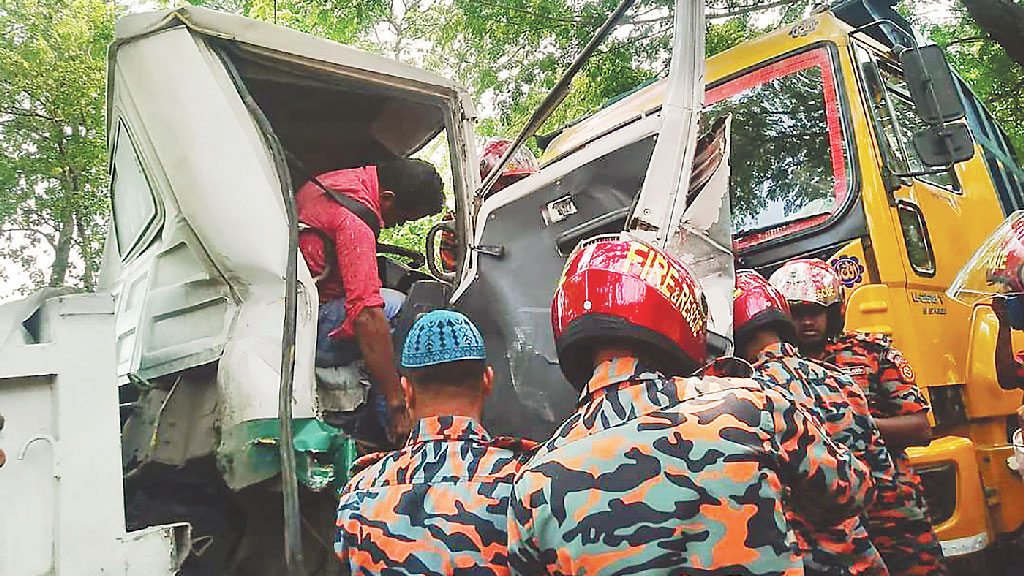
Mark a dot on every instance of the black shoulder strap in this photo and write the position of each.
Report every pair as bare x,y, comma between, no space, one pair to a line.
358,208
354,206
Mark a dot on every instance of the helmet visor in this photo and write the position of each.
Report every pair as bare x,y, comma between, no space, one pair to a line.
996,266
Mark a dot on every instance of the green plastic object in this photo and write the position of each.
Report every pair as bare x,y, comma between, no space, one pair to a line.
248,453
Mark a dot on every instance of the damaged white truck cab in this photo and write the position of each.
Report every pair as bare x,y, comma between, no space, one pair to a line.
197,251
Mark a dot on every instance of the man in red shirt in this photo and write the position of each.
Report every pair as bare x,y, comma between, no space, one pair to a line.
354,308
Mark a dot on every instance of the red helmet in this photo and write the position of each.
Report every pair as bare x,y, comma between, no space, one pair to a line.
519,166
756,303
626,291
812,281
1006,265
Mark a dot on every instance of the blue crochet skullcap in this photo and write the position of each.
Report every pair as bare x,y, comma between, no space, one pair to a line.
442,336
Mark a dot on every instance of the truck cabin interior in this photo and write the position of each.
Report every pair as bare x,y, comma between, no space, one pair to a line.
326,119
330,121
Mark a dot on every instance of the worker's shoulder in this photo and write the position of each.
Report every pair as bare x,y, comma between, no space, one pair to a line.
367,467
518,446
695,388
863,341
825,369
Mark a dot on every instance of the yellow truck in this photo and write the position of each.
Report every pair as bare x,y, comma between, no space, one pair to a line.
824,165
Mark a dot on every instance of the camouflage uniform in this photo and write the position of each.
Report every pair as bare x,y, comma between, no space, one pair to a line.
655,475
839,405
898,521
437,506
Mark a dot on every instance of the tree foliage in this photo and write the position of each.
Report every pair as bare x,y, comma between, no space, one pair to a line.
509,54
52,137
995,76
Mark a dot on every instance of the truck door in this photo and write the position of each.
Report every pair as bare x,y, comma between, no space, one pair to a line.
937,221
524,233
173,308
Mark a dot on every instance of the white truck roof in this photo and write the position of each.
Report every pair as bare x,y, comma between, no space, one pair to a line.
265,36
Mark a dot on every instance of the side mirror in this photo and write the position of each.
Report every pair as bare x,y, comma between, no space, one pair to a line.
944,145
931,85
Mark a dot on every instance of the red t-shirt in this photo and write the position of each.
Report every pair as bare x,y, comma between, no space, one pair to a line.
355,278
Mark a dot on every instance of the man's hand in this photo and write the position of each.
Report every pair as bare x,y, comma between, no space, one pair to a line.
374,336
999,308
900,432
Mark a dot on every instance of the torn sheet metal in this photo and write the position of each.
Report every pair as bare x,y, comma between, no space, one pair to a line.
661,199
16,325
702,240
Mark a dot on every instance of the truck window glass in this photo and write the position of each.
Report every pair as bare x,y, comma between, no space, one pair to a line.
789,167
915,236
895,115
132,198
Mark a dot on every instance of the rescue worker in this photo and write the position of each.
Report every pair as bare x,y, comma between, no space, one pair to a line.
1009,366
519,166
656,474
438,505
1009,309
339,245
764,336
898,521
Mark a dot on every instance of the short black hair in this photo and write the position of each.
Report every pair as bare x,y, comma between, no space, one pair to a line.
459,374
416,184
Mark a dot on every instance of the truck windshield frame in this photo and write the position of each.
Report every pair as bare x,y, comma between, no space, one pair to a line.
813,190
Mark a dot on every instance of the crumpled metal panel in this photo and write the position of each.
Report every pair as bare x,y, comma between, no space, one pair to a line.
210,288
157,550
702,239
249,452
510,297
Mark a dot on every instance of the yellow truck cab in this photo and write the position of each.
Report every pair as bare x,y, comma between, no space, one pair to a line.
823,165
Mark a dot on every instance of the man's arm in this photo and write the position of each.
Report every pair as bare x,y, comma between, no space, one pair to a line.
524,557
900,432
828,483
866,440
909,424
1007,369
373,333
356,249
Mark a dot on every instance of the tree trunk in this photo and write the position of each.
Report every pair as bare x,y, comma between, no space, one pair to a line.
1003,20
85,247
62,254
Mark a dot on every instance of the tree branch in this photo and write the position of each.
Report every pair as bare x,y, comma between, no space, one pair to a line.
31,231
651,20
969,40
525,11
28,113
748,9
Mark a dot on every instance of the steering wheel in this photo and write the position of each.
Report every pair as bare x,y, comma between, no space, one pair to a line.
415,258
431,248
